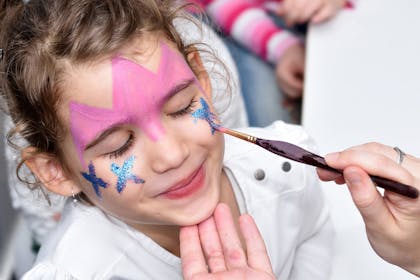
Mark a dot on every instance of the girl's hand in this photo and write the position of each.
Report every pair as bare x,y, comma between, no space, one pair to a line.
301,11
213,250
290,71
392,221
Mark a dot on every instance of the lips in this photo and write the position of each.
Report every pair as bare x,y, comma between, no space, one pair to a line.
187,186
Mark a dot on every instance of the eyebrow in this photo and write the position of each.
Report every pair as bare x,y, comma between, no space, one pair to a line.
104,134
177,88
173,91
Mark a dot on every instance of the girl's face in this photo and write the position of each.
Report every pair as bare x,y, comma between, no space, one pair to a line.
140,136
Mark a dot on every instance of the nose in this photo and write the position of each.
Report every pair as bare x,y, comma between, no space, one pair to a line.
167,153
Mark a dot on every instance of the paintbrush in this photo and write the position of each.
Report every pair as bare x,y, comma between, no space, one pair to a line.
299,154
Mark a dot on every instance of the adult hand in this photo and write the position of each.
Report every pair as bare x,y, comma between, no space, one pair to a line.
301,11
290,71
392,221
213,250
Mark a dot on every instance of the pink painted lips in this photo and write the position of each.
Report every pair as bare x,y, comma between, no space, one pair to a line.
187,186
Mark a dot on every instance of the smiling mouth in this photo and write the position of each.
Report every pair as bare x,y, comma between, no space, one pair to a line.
187,186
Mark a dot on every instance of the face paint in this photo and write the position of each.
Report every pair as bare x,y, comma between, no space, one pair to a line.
124,174
95,181
204,113
138,96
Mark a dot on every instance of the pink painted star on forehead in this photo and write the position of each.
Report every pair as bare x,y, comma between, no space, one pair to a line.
138,96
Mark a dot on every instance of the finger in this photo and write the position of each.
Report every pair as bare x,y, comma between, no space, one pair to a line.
211,245
289,91
372,162
280,10
367,199
231,244
255,247
283,84
412,164
326,175
375,147
340,180
291,11
290,84
191,254
310,9
295,81
323,14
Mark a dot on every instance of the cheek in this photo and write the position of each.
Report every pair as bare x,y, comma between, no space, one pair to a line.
201,135
125,173
205,113
113,179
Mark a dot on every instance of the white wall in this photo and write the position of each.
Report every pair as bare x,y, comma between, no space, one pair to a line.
362,84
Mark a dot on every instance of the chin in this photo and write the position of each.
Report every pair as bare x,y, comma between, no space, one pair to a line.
198,211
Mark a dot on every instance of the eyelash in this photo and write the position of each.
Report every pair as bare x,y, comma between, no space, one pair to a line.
184,111
123,149
127,145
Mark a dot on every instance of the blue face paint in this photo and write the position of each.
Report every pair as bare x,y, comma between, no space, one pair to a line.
95,181
204,113
124,174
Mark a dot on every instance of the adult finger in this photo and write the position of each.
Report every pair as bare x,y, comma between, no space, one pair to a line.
367,199
211,245
192,258
231,244
372,162
412,164
255,246
326,176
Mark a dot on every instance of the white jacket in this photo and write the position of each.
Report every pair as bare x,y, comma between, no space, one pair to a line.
284,198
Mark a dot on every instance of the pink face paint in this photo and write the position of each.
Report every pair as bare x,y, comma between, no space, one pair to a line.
138,96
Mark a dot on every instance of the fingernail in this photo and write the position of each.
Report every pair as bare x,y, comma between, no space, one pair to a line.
332,157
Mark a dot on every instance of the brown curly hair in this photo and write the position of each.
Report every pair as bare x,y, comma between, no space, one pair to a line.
37,36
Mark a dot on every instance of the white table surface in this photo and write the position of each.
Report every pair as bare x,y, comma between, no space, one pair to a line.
363,84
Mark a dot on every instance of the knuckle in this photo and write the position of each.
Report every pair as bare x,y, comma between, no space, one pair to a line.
373,146
215,253
215,258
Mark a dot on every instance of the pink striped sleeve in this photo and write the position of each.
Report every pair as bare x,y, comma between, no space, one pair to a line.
225,12
257,35
249,24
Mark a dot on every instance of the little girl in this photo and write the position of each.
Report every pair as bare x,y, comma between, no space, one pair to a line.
118,117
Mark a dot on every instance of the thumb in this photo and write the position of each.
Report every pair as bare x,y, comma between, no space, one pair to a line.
367,199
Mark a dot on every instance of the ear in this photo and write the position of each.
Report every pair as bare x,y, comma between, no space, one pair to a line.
48,170
194,60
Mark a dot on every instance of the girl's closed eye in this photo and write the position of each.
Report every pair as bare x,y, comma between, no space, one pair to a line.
184,111
123,149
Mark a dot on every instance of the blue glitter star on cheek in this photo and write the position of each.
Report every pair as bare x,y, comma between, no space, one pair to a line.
204,113
124,174
95,181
